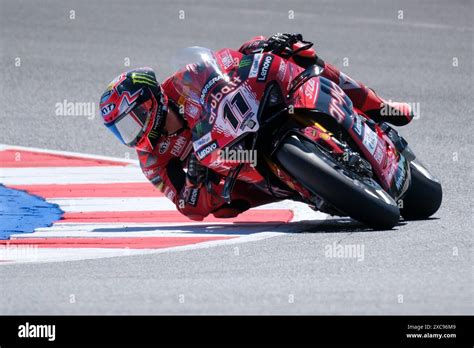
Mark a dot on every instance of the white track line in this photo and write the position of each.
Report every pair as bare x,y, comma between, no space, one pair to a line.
114,204
71,175
110,204
40,255
67,153
146,230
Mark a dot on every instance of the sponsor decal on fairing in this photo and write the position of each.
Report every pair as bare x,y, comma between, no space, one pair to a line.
238,110
255,64
281,70
358,126
205,139
264,68
208,86
202,153
378,155
226,59
311,89
370,140
215,98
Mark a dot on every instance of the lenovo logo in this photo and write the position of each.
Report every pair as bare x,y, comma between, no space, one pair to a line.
263,73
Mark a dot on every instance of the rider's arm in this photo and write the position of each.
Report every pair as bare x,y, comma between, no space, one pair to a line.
254,44
191,199
303,58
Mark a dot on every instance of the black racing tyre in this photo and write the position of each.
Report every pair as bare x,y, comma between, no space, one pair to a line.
424,195
321,174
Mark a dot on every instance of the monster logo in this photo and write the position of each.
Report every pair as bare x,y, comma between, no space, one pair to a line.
143,78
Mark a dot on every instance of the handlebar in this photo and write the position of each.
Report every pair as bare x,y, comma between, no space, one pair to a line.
287,49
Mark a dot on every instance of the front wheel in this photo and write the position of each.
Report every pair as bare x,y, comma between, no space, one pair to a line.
424,195
360,198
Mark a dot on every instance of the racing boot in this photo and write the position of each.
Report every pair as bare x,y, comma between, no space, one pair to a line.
380,110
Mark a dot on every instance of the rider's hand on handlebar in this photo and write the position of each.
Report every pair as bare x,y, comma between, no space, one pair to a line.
196,171
279,41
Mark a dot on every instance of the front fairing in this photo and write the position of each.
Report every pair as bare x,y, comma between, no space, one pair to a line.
219,105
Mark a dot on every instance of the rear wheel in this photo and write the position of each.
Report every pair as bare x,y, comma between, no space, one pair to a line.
424,195
360,198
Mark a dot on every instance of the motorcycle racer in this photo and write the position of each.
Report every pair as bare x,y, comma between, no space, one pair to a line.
148,116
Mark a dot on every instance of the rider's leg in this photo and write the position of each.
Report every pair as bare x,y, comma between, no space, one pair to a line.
367,101
244,197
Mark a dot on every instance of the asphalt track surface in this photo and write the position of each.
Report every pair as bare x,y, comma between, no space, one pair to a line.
428,263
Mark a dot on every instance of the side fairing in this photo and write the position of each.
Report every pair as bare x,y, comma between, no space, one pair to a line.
325,96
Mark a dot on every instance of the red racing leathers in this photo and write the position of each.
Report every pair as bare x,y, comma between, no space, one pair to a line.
164,166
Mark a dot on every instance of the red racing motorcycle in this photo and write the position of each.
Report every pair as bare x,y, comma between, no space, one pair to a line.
311,144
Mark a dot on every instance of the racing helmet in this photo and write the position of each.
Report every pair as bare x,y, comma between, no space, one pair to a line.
134,108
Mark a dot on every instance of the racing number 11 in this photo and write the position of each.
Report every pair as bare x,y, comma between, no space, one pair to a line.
238,105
